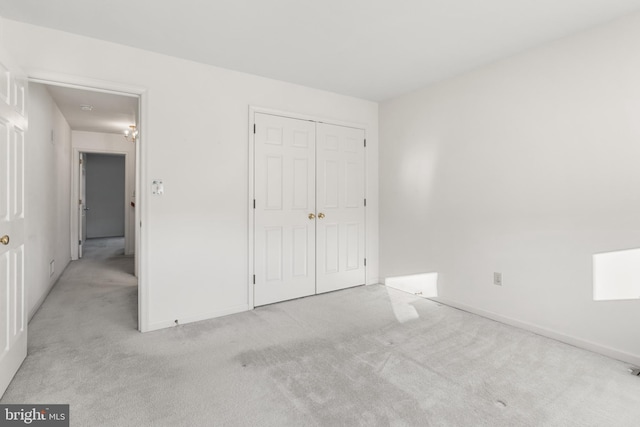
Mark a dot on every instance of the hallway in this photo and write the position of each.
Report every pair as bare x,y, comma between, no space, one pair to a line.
105,248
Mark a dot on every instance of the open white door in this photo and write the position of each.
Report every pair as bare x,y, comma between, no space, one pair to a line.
82,203
13,318
341,207
284,209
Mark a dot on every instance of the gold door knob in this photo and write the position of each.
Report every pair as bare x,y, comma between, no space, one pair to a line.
311,216
320,215
4,240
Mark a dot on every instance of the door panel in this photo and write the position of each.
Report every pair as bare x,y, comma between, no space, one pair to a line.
17,173
341,211
300,252
13,318
13,337
4,301
4,172
284,251
352,250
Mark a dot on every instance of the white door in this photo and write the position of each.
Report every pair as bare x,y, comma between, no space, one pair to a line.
340,229
284,193
13,319
309,201
82,204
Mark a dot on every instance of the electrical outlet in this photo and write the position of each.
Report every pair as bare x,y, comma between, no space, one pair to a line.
497,279
52,267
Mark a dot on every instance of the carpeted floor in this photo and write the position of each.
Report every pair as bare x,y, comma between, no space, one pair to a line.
367,356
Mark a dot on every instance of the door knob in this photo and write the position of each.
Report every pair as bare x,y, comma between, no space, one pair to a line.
320,215
4,240
311,216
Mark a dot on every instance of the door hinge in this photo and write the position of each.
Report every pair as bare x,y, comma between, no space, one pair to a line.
79,242
80,201
365,203
254,203
254,128
365,142
365,262
80,160
254,279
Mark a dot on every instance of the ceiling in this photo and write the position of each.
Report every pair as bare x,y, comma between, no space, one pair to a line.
109,113
371,49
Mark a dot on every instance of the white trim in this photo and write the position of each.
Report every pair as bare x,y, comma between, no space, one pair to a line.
44,296
78,82
549,333
197,318
141,256
251,217
255,109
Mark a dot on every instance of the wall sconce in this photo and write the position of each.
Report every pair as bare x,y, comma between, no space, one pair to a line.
131,133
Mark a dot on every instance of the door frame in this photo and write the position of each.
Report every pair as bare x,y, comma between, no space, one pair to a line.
75,195
251,190
141,243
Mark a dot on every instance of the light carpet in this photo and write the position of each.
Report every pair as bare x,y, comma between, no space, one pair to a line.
367,356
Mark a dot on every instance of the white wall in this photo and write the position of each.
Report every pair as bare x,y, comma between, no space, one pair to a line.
97,142
47,178
105,194
527,167
194,137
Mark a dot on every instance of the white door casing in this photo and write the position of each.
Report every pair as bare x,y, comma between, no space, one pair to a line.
140,238
13,317
284,222
308,208
82,204
340,199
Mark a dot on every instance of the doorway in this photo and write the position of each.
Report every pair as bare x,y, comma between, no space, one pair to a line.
309,207
98,118
103,203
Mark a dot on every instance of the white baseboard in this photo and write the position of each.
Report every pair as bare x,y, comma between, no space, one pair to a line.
44,295
197,318
549,333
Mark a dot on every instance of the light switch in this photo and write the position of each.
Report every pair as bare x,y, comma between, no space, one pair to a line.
157,187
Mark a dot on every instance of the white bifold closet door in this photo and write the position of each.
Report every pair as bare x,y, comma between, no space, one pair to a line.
340,227
309,216
284,240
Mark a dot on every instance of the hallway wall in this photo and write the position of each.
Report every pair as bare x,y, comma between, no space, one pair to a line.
47,197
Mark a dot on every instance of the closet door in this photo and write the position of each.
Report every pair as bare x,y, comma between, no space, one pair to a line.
284,189
340,207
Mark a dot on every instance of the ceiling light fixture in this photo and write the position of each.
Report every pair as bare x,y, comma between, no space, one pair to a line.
131,134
